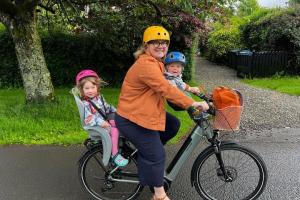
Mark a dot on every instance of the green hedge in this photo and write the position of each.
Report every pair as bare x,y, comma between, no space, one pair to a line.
277,29
9,71
220,42
67,54
223,38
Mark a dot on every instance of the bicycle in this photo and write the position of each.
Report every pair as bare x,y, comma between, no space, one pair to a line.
218,171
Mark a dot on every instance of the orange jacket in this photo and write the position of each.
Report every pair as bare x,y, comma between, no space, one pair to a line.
143,94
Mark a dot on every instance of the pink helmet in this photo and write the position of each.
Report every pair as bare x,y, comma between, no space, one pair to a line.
85,73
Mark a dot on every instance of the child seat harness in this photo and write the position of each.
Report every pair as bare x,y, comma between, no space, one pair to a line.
98,109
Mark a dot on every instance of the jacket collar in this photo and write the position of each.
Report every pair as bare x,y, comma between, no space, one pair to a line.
150,58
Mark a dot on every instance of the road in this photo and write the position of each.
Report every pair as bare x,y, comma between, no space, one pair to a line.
50,172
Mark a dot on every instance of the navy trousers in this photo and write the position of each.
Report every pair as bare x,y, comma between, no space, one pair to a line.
151,152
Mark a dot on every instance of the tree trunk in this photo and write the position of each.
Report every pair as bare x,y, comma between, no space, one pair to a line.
36,77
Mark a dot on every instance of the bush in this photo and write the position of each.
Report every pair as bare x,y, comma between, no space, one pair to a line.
221,41
276,29
2,27
106,39
9,71
223,38
67,54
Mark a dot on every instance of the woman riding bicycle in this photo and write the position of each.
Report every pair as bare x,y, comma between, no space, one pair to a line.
141,114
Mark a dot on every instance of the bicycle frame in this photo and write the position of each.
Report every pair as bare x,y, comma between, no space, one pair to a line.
201,129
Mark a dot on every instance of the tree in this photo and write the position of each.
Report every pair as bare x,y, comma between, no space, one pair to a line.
19,17
247,7
292,2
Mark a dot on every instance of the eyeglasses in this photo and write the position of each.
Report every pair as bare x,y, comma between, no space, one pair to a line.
157,43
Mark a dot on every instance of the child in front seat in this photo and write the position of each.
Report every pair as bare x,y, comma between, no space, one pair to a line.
96,109
174,65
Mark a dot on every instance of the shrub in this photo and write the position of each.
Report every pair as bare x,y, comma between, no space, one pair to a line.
67,54
277,29
9,71
223,38
220,42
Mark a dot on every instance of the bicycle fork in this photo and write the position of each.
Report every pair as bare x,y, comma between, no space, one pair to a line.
222,170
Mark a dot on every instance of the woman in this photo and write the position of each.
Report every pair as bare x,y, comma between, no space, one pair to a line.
141,115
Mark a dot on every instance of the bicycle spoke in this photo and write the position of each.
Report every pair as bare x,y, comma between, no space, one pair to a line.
102,184
96,177
231,184
100,163
242,169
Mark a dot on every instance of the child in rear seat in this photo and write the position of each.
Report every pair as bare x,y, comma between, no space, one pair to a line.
88,83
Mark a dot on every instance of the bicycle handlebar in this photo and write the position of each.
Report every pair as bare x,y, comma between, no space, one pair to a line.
195,113
204,97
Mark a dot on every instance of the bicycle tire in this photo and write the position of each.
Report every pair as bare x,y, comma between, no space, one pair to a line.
93,177
211,185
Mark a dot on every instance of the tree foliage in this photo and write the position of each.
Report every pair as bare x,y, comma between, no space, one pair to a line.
292,2
120,24
221,41
247,7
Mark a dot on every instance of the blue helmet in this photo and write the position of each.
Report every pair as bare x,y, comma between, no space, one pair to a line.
175,56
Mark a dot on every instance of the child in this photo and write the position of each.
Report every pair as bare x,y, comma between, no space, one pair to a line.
88,83
174,64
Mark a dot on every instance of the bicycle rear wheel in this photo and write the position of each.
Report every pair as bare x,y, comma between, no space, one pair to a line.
245,168
104,185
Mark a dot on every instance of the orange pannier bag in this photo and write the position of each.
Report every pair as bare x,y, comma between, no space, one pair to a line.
229,105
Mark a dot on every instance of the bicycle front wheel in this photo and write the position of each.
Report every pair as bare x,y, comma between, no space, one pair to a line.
103,183
246,174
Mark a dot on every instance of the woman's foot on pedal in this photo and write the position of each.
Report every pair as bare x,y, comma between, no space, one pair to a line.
119,160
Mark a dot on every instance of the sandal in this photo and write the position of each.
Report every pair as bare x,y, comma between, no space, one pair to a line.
119,160
155,198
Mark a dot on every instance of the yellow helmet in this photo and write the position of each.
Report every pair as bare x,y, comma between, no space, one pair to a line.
155,33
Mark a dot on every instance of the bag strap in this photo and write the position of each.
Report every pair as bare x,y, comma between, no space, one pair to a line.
98,109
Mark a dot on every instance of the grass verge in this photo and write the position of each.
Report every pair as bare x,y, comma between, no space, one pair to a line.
53,123
288,85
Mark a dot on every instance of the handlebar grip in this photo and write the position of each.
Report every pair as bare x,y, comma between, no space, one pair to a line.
205,98
193,111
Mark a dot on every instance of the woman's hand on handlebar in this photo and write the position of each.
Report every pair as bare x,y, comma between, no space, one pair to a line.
203,106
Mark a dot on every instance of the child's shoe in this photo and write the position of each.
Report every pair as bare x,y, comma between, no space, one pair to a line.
119,160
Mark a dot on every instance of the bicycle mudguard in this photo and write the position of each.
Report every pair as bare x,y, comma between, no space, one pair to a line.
207,149
95,133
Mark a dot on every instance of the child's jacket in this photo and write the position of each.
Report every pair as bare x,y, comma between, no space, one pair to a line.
176,81
91,116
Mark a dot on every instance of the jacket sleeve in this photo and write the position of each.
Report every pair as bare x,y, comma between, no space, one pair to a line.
152,76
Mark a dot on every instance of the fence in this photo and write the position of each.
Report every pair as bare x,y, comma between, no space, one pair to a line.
258,64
